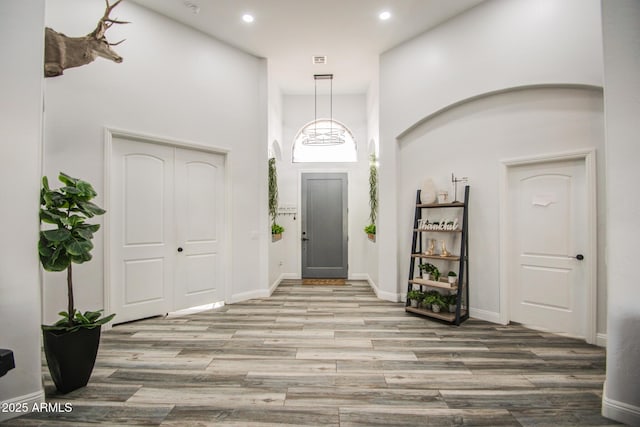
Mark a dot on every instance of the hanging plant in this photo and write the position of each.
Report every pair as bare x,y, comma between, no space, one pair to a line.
373,196
273,196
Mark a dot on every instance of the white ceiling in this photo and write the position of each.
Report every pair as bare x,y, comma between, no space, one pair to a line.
289,32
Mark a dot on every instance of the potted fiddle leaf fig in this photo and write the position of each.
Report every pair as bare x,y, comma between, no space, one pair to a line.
71,344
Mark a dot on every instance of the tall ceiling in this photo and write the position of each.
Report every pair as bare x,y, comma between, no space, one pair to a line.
290,32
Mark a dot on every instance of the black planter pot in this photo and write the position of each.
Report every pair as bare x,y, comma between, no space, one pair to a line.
71,356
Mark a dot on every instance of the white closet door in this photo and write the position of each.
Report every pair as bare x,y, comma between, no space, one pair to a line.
142,229
548,288
200,197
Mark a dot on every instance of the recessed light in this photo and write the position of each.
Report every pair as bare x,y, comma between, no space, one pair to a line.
248,18
384,15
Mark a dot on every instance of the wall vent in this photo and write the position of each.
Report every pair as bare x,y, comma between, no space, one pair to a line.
318,60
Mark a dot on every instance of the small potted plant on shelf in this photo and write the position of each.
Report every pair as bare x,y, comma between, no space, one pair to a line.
427,270
437,303
276,232
452,301
435,273
371,232
414,296
452,277
71,344
430,297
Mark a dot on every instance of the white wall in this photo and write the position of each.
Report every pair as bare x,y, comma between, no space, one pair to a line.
621,34
176,83
471,140
21,40
498,45
298,110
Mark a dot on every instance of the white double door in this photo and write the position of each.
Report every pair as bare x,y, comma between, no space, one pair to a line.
166,228
548,237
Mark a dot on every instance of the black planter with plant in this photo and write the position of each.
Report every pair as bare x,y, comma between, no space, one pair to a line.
71,344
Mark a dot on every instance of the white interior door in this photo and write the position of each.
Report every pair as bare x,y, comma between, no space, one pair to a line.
142,229
200,199
548,229
167,229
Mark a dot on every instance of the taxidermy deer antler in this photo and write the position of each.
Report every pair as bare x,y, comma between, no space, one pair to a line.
62,52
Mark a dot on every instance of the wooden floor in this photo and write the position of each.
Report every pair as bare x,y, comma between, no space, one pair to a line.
332,356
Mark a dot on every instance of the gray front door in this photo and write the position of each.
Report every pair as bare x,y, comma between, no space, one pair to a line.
324,225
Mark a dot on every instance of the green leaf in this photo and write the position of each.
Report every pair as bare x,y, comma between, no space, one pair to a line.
90,209
43,248
105,319
80,318
80,259
92,316
58,235
77,247
86,190
67,180
52,216
71,190
59,261
91,227
84,233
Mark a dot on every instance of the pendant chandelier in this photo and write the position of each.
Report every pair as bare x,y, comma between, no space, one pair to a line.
323,131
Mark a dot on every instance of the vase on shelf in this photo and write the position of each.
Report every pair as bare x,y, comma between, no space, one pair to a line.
428,193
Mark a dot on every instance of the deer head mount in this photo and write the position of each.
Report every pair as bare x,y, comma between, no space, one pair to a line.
62,52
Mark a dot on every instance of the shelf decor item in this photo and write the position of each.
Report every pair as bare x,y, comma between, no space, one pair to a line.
452,278
443,249
71,344
443,197
428,192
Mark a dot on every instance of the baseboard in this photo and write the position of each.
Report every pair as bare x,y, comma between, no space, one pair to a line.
601,340
275,284
383,295
489,316
244,296
23,403
620,411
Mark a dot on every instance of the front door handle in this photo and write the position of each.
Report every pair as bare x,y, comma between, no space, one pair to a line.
304,239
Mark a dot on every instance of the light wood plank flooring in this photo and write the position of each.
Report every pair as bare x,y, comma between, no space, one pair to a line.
332,356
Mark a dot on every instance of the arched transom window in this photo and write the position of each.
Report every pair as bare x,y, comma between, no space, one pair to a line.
324,140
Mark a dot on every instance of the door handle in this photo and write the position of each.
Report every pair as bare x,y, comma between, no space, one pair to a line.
180,249
304,239
579,257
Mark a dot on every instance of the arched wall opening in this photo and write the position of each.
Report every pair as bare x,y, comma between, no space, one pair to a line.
470,138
